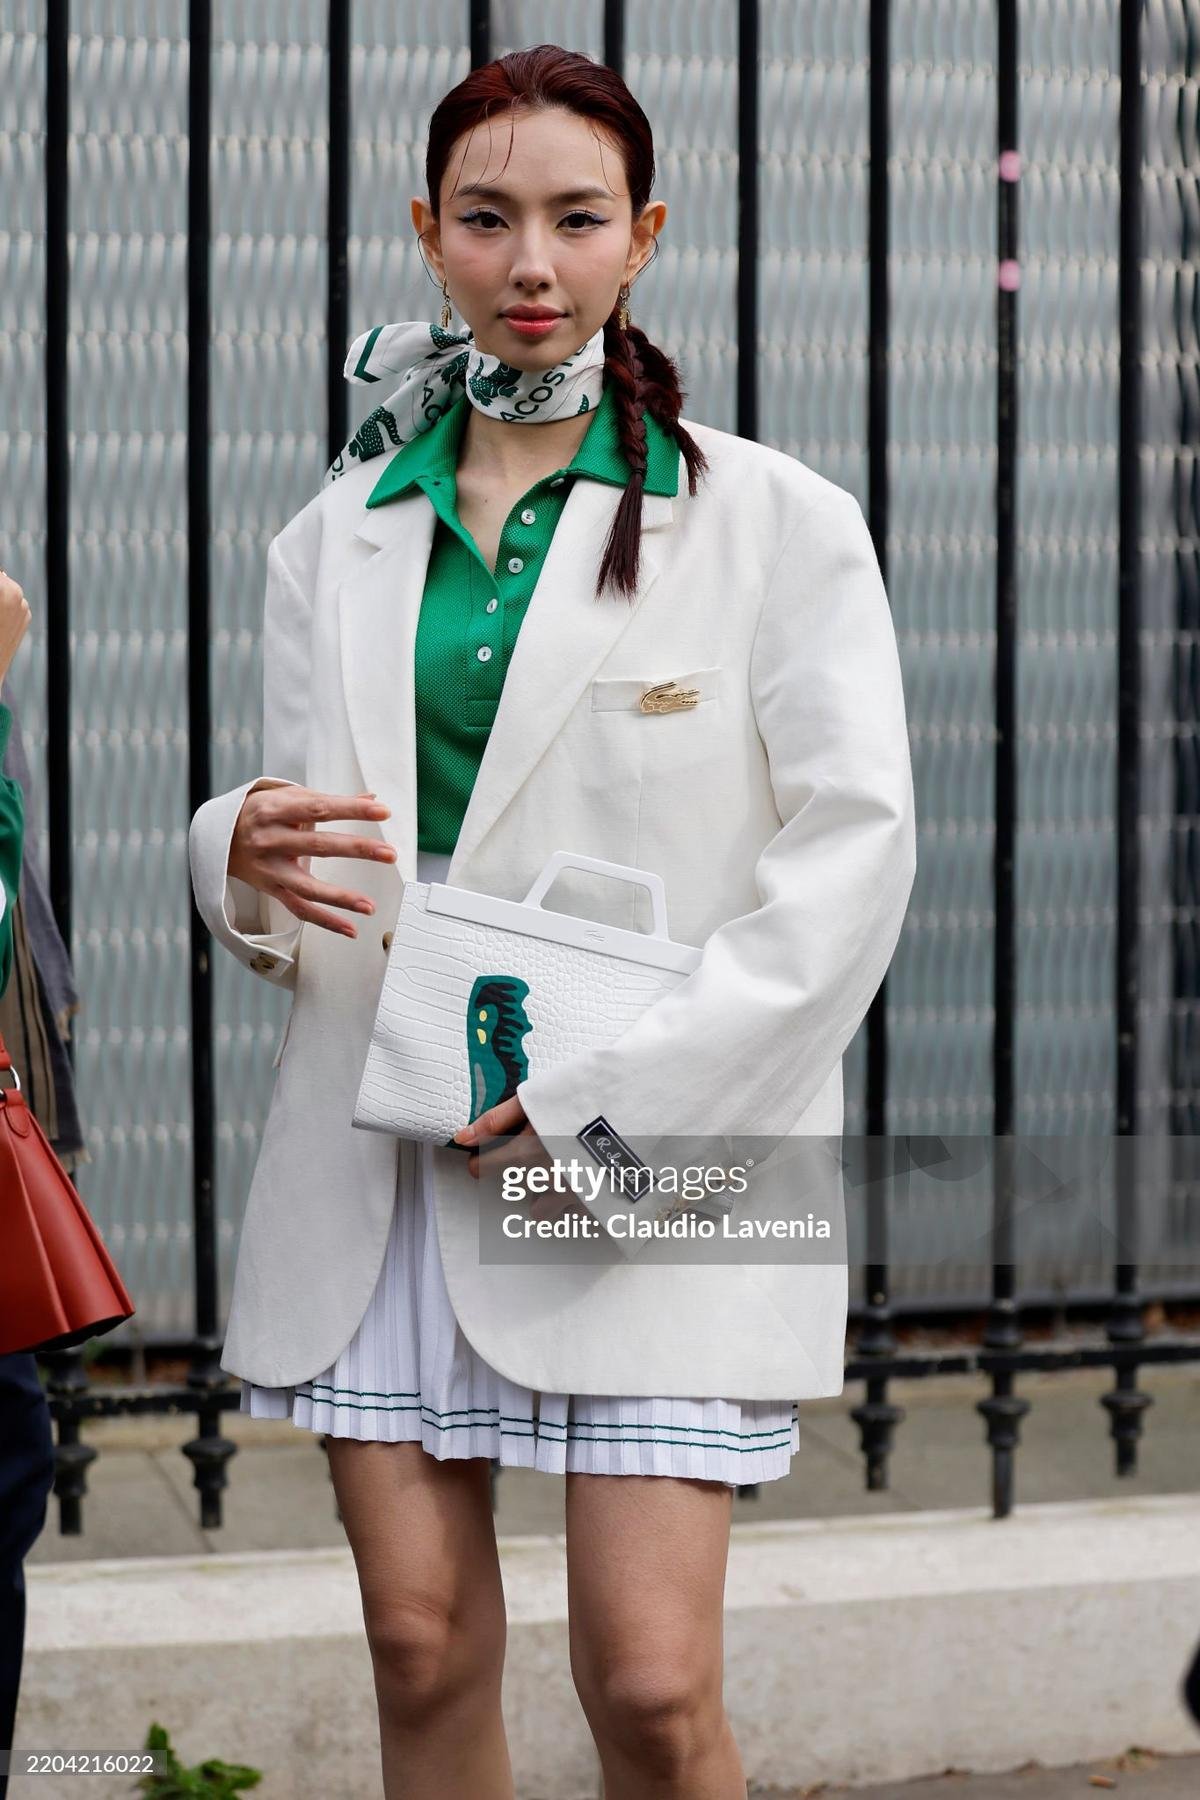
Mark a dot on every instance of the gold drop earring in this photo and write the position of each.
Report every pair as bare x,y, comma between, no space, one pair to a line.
445,320
623,307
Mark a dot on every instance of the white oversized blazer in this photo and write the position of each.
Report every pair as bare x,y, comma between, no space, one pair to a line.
778,811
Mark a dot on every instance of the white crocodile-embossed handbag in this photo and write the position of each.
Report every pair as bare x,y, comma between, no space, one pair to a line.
480,992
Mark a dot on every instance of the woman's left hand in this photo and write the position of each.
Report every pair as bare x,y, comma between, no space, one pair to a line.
508,1119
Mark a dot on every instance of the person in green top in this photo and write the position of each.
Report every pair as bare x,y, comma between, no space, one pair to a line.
14,622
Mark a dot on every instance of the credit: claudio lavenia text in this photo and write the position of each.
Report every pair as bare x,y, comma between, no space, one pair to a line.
680,1224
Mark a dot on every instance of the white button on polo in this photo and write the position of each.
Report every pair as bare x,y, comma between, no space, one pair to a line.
528,516
492,604
483,653
515,565
557,481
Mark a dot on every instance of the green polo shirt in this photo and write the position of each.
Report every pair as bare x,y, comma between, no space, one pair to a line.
469,618
12,832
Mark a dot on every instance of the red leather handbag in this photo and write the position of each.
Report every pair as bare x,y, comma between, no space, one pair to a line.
58,1284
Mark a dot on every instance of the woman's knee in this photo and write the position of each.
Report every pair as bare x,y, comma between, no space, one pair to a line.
664,1712
427,1655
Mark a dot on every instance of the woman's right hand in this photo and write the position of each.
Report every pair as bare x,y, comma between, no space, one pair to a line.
276,836
14,621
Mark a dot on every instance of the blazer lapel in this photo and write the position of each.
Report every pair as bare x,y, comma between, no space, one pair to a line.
377,618
564,636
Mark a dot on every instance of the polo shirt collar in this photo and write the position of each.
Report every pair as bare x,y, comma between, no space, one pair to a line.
434,453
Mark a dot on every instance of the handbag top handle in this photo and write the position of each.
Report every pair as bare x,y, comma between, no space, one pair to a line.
599,865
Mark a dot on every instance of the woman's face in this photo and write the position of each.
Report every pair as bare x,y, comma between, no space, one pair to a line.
554,228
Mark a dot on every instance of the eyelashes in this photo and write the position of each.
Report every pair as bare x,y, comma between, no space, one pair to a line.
486,212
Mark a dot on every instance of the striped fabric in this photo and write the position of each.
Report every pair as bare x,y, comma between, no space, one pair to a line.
410,1375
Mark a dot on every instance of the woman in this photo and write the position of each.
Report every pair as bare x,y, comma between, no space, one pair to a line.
467,629
26,1440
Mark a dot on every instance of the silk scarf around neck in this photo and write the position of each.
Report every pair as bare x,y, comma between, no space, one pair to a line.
433,366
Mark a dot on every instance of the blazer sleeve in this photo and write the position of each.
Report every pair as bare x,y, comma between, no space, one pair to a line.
746,1041
12,838
255,927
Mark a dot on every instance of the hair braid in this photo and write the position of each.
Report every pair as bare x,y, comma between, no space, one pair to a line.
643,379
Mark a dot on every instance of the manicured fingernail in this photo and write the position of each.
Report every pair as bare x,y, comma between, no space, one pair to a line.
465,1134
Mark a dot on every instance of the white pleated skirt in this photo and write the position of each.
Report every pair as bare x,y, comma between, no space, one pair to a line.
409,1375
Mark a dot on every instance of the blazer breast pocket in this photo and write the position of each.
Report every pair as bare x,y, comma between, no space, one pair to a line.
664,722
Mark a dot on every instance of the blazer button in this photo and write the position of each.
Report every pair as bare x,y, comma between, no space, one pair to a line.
387,940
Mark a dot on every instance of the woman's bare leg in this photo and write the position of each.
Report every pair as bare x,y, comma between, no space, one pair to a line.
646,1558
424,1544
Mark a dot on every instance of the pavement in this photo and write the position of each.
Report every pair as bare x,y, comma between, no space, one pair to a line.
141,1502
1136,1775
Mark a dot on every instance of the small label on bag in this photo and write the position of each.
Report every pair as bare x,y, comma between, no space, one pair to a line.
599,1138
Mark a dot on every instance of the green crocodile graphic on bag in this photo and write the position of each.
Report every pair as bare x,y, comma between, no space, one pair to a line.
496,1024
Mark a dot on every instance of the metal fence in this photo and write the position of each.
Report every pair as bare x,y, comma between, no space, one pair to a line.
221,203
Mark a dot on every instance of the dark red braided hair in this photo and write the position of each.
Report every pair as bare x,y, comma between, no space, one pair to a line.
643,377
